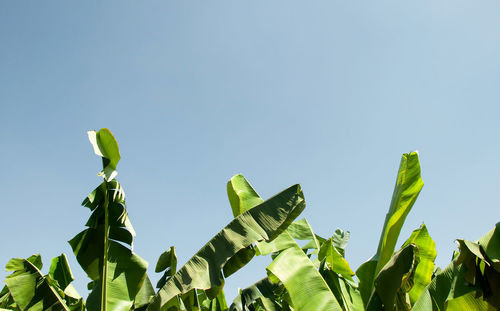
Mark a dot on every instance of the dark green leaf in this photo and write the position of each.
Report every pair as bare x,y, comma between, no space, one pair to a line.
393,277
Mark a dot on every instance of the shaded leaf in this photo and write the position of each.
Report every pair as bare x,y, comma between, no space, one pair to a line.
167,262
393,277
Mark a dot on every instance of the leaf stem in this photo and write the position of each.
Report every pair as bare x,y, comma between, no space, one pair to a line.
104,291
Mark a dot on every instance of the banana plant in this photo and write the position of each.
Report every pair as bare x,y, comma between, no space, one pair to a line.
407,188
206,269
307,271
292,267
28,289
117,273
470,282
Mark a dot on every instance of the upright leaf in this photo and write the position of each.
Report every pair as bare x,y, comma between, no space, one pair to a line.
117,273
242,197
105,146
408,186
168,263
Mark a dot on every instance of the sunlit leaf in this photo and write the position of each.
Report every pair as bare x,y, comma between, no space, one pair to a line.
263,222
305,286
408,186
427,253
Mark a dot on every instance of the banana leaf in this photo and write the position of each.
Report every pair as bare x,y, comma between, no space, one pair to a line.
337,274
242,195
168,263
203,271
408,186
394,281
305,286
470,282
427,254
28,289
263,293
116,271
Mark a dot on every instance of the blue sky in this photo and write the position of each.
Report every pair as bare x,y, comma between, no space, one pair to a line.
327,94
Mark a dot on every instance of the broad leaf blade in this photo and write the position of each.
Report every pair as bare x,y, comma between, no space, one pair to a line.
105,145
427,253
168,263
391,279
117,273
203,270
306,287
241,194
60,271
335,261
30,290
407,188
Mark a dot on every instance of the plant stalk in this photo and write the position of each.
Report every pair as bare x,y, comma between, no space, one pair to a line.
104,291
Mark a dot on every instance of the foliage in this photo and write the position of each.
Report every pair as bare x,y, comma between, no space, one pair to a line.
307,271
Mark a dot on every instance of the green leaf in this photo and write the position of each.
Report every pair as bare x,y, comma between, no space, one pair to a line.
481,264
216,304
203,271
117,272
105,145
469,282
334,259
262,293
435,295
22,288
427,254
29,289
490,244
242,196
307,289
345,291
239,260
340,238
144,295
408,186
300,230
468,302
60,271
126,273
282,242
168,262
393,277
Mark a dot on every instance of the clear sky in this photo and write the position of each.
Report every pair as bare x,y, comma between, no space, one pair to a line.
327,94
